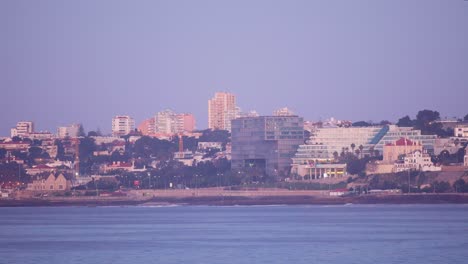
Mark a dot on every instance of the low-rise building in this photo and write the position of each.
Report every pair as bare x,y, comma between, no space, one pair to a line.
210,145
314,171
403,146
121,166
21,145
416,160
461,130
51,183
339,192
22,129
41,168
465,163
41,135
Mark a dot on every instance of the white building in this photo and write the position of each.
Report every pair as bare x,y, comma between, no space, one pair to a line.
416,160
122,125
461,131
22,129
68,131
283,112
210,145
325,141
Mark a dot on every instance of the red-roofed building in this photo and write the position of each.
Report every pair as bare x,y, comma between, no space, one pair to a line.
403,146
40,169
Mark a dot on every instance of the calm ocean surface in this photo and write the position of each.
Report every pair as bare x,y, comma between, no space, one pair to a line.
244,234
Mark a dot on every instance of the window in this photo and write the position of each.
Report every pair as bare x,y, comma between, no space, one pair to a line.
51,187
60,187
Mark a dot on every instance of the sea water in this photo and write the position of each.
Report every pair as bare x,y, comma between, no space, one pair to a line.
236,234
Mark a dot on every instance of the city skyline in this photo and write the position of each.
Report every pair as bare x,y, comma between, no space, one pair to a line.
83,62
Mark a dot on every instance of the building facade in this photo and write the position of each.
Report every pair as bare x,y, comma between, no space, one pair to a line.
313,171
392,151
68,131
52,183
461,130
221,111
22,129
283,112
326,142
122,125
169,122
417,160
266,142
147,127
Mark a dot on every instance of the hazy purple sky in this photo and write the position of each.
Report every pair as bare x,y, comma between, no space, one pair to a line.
86,61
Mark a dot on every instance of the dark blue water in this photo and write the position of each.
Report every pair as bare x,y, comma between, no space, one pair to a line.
258,234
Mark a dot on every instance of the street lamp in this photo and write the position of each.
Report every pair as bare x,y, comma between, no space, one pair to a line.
149,180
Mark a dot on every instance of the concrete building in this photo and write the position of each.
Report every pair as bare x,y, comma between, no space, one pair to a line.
221,110
122,125
41,135
169,122
52,183
403,146
266,142
210,145
283,112
416,160
314,171
461,130
185,122
22,129
325,141
68,131
147,127
392,133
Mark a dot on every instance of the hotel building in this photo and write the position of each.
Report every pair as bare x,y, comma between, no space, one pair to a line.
221,110
122,125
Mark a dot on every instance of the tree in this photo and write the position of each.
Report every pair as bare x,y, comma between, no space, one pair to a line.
335,155
425,122
405,122
385,123
2,153
16,139
361,124
357,151
92,134
361,148
441,187
353,146
81,131
460,186
371,151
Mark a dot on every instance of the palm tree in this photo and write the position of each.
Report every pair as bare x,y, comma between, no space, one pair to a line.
371,151
335,155
361,147
357,151
353,146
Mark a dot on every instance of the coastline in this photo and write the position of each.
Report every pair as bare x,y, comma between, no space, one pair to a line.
217,200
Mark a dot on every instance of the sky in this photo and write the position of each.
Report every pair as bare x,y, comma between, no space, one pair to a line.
86,61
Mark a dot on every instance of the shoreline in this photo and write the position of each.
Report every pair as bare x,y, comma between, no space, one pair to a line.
240,200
